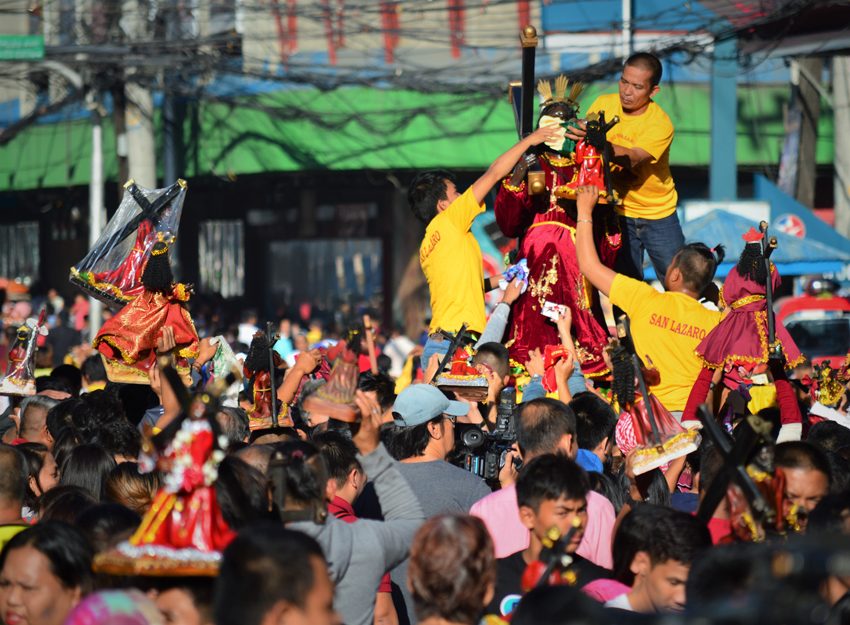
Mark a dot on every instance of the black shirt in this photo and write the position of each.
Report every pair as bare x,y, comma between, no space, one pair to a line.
509,578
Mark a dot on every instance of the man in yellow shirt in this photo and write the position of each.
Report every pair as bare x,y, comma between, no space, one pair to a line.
641,175
449,254
666,327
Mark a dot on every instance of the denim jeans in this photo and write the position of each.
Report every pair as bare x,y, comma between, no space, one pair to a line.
433,346
661,238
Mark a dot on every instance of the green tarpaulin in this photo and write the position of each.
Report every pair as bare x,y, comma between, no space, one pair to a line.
357,128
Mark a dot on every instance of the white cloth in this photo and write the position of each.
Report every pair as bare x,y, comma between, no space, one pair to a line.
621,603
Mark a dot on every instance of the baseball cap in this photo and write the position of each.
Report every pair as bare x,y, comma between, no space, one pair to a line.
419,403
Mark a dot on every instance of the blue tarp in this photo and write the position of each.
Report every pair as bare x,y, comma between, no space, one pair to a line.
793,256
782,204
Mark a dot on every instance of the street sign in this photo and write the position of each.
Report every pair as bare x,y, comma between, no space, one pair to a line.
21,47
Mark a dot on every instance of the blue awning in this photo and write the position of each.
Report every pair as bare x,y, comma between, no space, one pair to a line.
793,256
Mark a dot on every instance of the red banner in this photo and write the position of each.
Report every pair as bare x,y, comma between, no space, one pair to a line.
457,26
390,25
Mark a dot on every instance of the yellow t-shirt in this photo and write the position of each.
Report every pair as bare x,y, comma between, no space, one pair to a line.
647,192
667,327
452,264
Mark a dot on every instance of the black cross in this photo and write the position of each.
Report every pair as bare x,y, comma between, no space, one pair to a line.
151,211
748,434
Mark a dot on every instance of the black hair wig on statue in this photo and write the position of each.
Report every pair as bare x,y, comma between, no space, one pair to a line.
157,275
751,264
258,354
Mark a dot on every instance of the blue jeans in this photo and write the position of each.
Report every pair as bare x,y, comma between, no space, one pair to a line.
433,346
661,238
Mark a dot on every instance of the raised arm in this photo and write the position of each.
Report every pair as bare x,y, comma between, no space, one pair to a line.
502,166
599,275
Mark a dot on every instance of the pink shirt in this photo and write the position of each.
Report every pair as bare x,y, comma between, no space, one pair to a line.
500,513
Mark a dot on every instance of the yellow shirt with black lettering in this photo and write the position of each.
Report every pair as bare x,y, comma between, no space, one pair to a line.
667,327
648,191
452,264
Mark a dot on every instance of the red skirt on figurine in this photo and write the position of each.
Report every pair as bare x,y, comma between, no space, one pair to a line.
127,341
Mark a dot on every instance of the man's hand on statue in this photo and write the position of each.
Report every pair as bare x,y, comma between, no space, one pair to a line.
307,362
576,129
544,134
206,351
586,198
166,341
534,366
512,291
368,434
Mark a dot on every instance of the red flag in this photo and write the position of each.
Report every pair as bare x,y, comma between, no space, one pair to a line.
523,9
389,21
457,19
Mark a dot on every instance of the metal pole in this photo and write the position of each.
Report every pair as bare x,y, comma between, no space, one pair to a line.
626,42
96,216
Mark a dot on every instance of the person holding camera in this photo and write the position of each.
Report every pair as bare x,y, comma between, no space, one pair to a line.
423,439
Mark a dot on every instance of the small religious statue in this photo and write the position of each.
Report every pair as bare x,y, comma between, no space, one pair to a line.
129,341
257,370
738,347
590,157
20,379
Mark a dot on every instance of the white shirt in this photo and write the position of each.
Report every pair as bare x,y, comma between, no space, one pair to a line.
621,603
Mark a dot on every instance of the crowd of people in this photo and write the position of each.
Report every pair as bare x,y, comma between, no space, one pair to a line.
516,467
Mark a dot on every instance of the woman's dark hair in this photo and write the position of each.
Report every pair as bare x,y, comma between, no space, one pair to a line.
698,264
96,410
125,485
410,442
652,484
69,553
609,487
88,466
70,374
557,605
298,476
59,417
64,443
157,275
34,454
242,493
64,503
452,565
107,524
119,438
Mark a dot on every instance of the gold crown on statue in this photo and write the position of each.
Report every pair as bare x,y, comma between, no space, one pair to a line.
166,238
547,97
829,387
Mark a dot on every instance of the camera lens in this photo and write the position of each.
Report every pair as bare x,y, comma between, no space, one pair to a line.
472,438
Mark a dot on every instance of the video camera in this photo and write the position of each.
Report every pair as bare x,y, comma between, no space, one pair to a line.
483,453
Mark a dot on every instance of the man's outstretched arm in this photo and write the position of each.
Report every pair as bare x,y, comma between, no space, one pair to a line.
502,166
599,275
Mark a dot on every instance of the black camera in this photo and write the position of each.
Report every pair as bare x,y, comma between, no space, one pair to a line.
483,453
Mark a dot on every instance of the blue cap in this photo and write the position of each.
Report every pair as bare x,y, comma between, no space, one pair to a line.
419,403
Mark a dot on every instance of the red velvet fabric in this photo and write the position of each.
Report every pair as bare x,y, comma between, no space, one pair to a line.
547,240
740,339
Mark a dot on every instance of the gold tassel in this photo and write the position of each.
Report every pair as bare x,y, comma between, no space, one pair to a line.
561,83
545,91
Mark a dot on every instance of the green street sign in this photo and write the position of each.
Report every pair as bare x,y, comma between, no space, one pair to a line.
21,47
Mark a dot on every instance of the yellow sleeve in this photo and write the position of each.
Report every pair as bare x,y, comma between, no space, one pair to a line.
463,211
596,106
656,136
630,294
